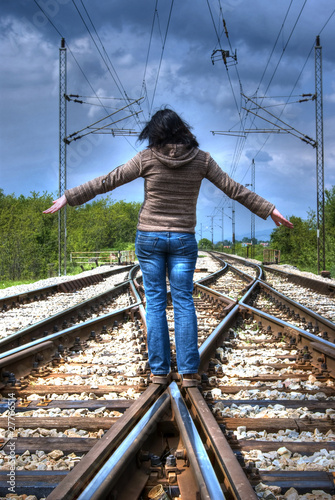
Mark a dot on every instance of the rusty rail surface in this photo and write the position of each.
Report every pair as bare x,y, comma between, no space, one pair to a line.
70,285
182,416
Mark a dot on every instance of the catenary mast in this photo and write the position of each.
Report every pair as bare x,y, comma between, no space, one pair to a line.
62,159
320,199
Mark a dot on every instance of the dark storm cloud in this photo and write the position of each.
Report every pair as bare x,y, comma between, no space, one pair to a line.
207,95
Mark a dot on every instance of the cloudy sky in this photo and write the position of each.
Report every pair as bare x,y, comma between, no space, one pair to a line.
162,51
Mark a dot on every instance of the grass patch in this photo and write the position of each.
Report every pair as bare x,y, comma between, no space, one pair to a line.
7,284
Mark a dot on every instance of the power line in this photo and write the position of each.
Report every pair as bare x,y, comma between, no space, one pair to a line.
115,78
144,87
282,54
291,130
52,24
161,58
298,78
274,46
74,136
76,61
223,53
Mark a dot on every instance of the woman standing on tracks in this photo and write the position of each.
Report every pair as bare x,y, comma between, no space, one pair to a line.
173,167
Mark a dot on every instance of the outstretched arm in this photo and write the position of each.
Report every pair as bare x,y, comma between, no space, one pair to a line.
279,219
57,205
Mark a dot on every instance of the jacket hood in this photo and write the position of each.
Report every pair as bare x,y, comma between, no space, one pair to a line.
175,155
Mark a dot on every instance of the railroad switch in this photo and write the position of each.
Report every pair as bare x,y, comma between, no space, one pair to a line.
23,404
156,468
44,402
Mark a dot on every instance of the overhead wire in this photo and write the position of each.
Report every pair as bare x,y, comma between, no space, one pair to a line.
286,44
144,86
72,54
115,78
68,47
298,78
239,145
47,17
280,58
77,63
219,44
161,58
271,79
275,70
241,140
274,45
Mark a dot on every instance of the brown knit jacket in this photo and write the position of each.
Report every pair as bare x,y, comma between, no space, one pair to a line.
172,176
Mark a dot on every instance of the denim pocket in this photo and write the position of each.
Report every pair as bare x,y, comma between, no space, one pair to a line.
145,245
188,245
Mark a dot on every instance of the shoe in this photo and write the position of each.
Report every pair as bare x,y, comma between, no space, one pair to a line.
191,380
159,379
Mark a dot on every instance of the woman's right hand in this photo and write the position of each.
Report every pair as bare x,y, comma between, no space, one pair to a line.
279,219
57,205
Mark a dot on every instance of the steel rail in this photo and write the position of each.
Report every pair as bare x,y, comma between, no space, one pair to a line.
40,329
319,346
315,284
205,476
107,476
321,324
303,338
234,479
67,485
215,338
79,477
218,297
52,289
245,276
260,272
66,337
211,278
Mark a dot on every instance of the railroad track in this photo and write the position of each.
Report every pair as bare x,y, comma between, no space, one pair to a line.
260,424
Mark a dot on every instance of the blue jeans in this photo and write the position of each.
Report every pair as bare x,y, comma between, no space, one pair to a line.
174,253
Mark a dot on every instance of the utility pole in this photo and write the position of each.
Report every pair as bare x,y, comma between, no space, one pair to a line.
233,224
62,159
320,197
222,228
253,181
222,224
212,228
252,232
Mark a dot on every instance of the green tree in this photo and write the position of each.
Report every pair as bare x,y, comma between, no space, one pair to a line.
297,245
29,238
205,244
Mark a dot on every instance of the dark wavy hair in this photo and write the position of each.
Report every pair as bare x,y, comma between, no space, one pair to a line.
166,127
